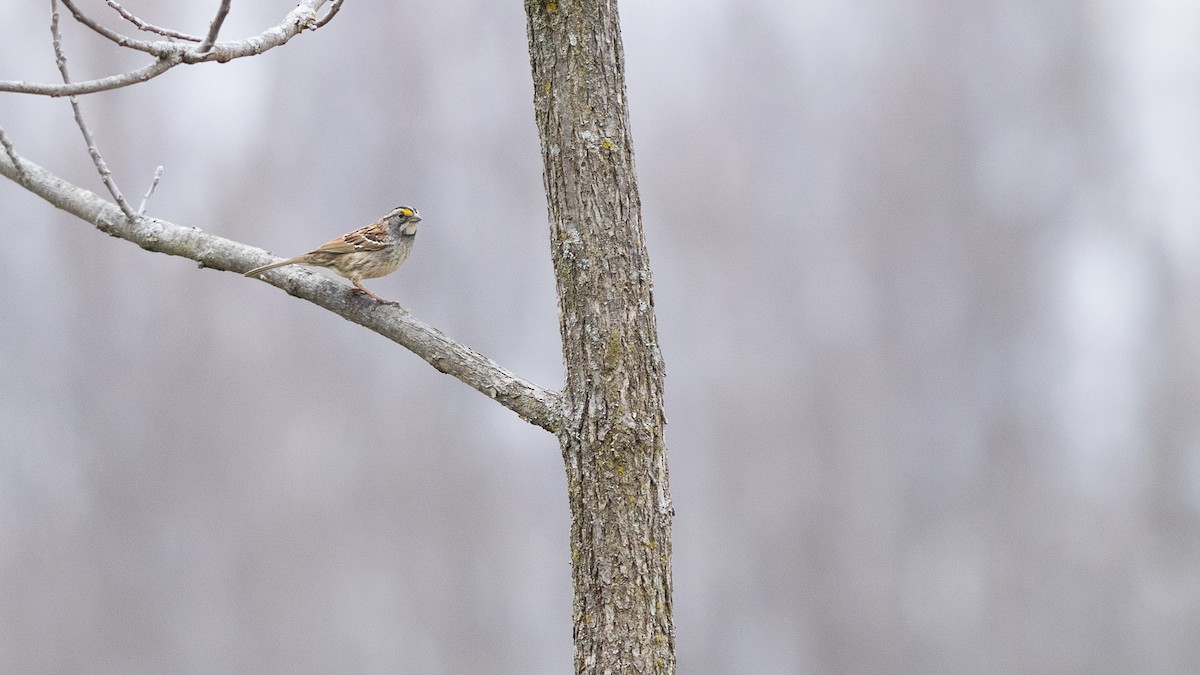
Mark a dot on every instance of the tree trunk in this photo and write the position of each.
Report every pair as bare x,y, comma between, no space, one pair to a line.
612,437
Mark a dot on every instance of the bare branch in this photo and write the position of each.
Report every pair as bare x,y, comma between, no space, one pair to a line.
150,193
534,404
12,156
146,72
214,28
333,10
149,27
154,48
60,58
303,17
171,54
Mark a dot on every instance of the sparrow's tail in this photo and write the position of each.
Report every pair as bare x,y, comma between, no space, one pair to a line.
258,270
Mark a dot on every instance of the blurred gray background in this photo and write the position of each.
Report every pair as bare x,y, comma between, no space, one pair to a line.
926,277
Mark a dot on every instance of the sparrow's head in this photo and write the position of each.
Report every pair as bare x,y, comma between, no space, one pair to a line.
403,218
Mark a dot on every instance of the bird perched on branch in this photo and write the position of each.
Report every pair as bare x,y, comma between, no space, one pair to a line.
370,252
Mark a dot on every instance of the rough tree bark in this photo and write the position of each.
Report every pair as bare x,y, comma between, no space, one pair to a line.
612,437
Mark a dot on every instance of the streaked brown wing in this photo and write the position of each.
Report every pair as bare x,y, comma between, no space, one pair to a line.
370,238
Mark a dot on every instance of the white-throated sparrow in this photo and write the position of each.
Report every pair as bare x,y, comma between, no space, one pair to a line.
369,252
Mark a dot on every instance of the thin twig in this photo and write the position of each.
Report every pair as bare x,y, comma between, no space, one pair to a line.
333,9
155,48
214,28
149,27
97,159
171,54
150,193
12,154
147,72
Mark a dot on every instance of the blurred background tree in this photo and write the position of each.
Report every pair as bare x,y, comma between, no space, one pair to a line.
926,293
